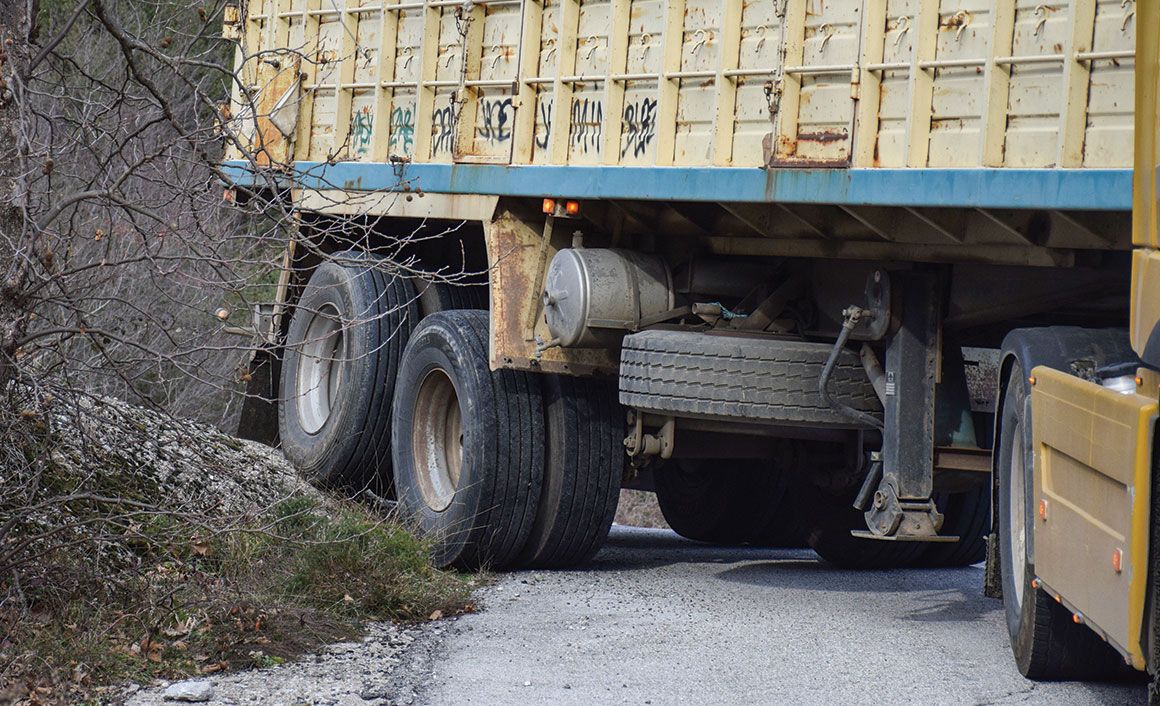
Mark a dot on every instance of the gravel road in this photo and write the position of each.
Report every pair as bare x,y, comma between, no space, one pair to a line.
658,620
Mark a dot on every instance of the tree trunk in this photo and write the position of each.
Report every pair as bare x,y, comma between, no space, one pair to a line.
17,20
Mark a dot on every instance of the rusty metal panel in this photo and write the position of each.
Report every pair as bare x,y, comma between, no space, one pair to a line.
956,103
815,125
489,86
518,254
1111,103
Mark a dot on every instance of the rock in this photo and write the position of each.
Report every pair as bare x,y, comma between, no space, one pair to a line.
373,692
194,691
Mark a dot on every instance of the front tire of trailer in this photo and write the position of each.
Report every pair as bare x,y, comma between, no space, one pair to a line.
728,501
967,515
346,336
1046,643
468,444
832,520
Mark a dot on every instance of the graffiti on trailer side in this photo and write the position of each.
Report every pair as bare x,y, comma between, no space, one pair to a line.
402,130
443,129
361,130
495,125
640,126
545,119
586,124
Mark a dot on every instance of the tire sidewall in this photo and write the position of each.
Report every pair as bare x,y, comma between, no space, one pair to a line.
1020,616
335,286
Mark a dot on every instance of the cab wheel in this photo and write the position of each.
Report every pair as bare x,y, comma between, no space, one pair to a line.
1047,644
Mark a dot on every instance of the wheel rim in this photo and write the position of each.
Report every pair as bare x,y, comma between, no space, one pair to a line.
320,367
1017,514
437,440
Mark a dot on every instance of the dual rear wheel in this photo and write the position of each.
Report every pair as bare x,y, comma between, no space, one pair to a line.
386,386
501,468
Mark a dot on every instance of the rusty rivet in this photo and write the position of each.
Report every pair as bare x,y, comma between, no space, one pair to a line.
1117,560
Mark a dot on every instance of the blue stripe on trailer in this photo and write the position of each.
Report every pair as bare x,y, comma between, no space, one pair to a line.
1051,189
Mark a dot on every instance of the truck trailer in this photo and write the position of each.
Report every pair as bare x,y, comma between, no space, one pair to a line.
839,274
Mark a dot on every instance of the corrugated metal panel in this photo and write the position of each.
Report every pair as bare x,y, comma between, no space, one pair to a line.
869,83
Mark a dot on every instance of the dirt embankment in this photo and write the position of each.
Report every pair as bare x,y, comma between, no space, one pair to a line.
136,546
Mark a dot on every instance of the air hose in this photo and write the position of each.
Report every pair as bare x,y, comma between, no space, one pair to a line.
851,317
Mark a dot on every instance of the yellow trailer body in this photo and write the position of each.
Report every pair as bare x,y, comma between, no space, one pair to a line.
873,83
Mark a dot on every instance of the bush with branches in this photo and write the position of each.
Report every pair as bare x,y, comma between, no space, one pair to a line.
124,277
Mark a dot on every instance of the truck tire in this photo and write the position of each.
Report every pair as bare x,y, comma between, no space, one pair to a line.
1047,644
584,464
767,380
343,347
468,444
720,502
785,529
831,520
967,516
445,296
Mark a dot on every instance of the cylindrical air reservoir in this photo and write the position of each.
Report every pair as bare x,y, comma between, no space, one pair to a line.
593,295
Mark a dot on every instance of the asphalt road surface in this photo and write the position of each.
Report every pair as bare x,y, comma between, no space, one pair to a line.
658,620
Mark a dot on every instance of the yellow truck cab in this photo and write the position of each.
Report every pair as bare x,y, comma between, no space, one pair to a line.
1075,463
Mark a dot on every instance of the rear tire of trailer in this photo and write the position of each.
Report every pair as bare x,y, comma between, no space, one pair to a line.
832,519
784,529
584,466
346,336
719,502
966,516
468,444
1046,643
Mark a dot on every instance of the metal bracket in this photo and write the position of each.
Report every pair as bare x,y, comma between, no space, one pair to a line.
640,444
903,520
876,326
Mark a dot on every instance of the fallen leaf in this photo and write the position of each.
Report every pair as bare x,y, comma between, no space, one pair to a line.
437,615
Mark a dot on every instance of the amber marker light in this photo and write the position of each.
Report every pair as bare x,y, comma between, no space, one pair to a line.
1031,379
549,206
1117,560
1043,510
1035,583
572,208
